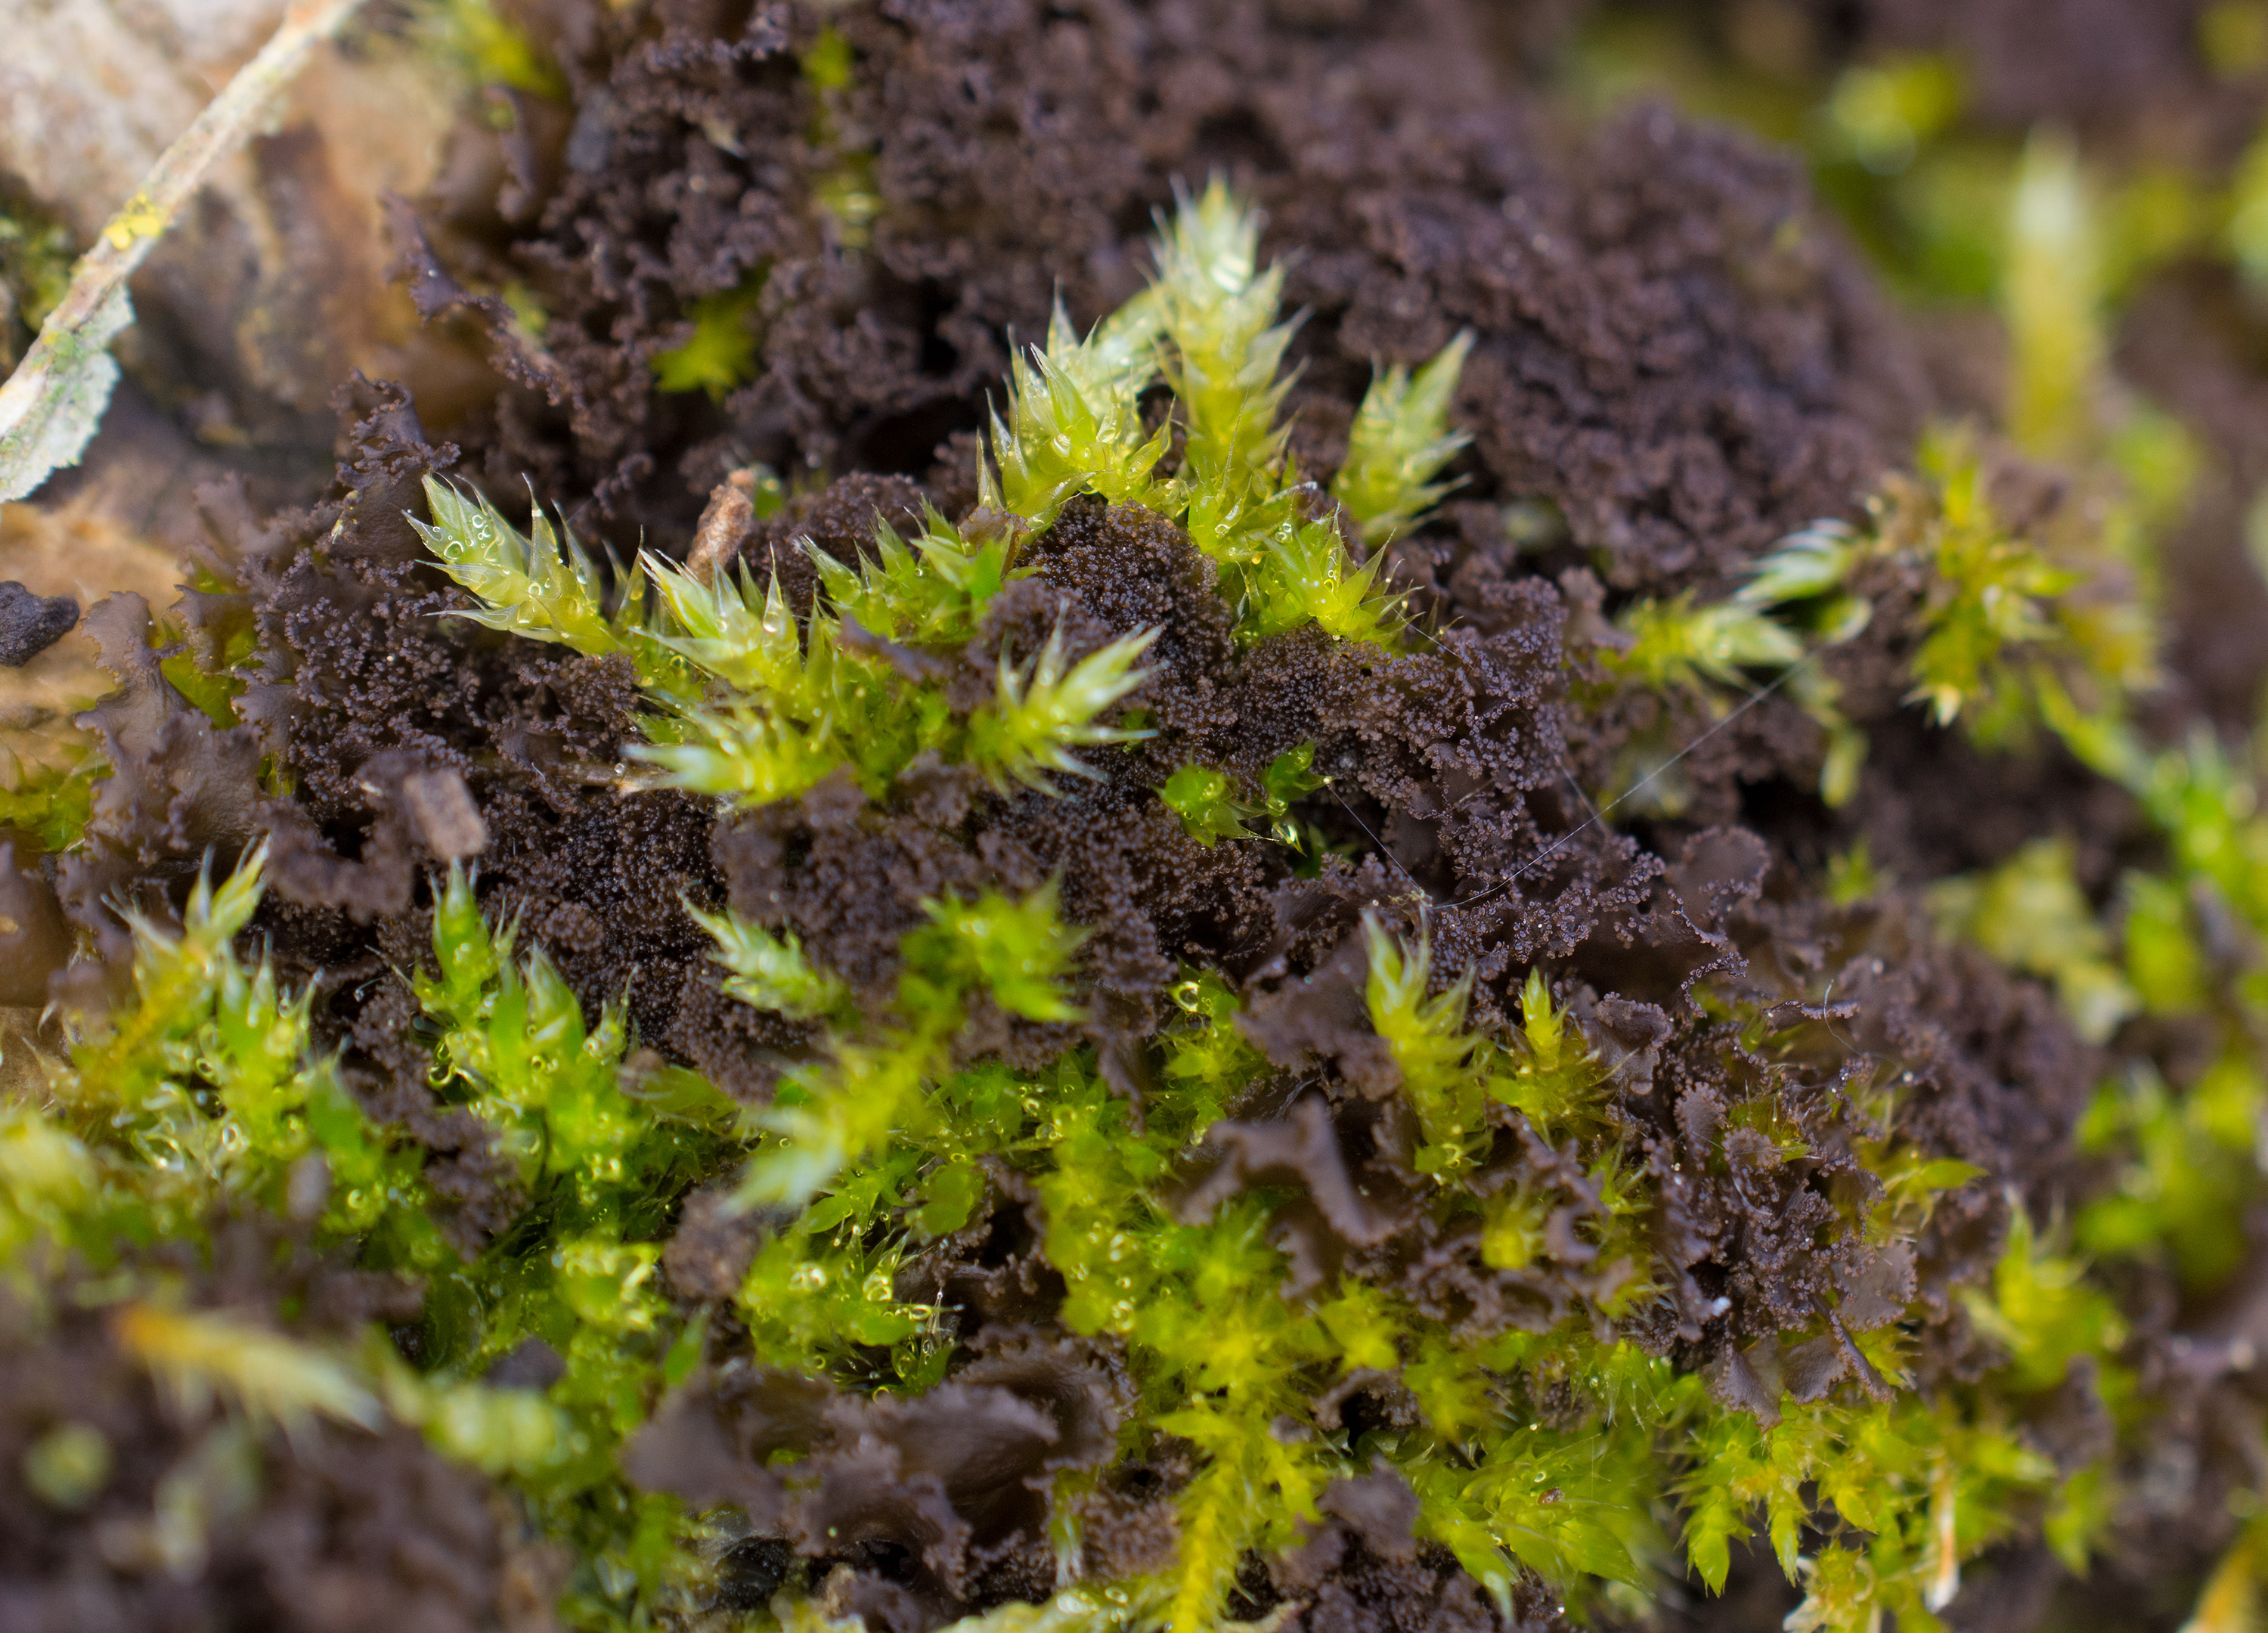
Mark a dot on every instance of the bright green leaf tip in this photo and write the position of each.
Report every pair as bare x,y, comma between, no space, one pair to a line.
720,354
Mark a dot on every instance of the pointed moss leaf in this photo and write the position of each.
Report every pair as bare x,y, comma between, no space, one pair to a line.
1675,643
849,1107
537,584
50,797
675,1093
949,1197
516,1047
769,972
931,594
1201,798
1430,1048
1223,353
1551,1074
2040,1311
740,754
2050,297
499,1431
1042,711
1307,578
2164,963
1811,562
1291,775
2031,914
1991,593
1074,1610
744,636
467,954
1400,441
879,1087
1017,951
134,1067
1074,421
1214,1514
788,705
720,353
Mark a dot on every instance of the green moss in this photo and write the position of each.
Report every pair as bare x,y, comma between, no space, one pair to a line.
1206,327
719,355
1210,810
827,61
2051,300
207,1087
1400,441
35,263
2030,915
1884,112
68,1467
45,806
2191,1165
1774,627
771,971
752,706
1074,423
490,49
541,584
1201,798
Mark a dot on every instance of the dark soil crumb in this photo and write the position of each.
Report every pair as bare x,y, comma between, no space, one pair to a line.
30,624
912,1508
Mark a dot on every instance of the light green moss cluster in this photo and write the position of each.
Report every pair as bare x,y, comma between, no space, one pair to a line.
877,1147
1206,328
756,702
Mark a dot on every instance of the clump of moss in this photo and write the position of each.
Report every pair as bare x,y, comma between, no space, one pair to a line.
1441,1264
1086,1049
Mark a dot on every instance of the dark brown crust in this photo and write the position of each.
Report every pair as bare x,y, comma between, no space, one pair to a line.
1672,347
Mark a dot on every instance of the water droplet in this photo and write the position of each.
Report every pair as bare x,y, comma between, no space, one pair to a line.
1187,994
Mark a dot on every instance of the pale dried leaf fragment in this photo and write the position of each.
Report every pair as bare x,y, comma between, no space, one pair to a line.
53,402
447,816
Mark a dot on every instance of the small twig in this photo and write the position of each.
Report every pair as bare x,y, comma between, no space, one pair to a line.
50,406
